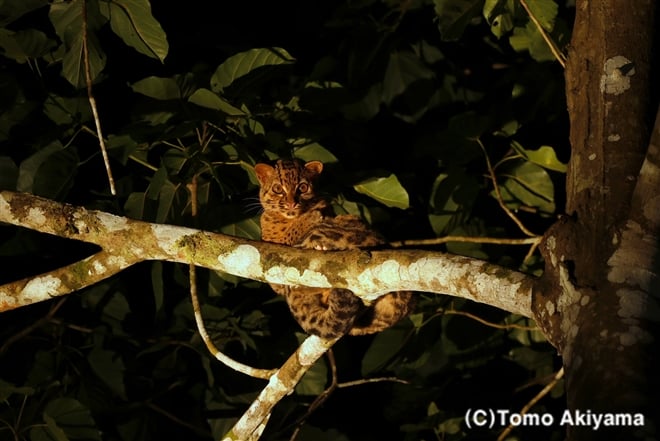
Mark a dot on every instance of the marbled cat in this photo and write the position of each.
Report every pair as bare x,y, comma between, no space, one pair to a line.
295,215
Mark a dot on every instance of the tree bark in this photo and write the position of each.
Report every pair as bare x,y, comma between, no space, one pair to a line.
598,304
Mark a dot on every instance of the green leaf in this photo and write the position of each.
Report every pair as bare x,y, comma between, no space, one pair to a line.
530,185
13,10
403,69
314,151
67,19
314,380
529,38
452,198
67,111
7,389
109,367
545,11
545,156
385,346
51,432
73,418
133,22
243,63
206,98
455,15
49,171
73,67
158,88
21,45
388,191
8,173
500,16
247,228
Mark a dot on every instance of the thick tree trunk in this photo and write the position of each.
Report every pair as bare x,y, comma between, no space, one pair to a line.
599,303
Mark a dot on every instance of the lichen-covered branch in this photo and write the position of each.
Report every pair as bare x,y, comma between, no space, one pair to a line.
368,274
280,384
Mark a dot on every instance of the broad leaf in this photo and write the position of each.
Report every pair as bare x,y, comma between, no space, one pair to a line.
22,45
530,185
66,111
545,156
158,88
388,191
314,151
385,346
243,63
530,39
132,21
314,381
205,98
73,418
452,198
13,10
67,20
455,15
403,69
247,228
8,173
545,11
500,15
48,171
109,367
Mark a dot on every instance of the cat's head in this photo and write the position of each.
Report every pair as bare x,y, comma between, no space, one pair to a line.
288,186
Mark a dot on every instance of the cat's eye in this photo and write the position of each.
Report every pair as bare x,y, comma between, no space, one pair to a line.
303,187
277,189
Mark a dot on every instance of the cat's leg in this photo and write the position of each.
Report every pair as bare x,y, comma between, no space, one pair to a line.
384,312
327,313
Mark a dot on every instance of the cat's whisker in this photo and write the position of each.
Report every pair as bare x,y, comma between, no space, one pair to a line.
252,205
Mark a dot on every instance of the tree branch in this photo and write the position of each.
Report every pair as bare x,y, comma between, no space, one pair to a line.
250,425
369,274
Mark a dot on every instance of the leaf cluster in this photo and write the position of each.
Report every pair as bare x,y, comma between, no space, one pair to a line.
400,100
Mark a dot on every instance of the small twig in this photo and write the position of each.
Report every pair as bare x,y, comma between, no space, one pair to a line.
195,429
222,358
469,239
371,380
34,325
92,100
558,376
197,311
498,194
561,58
487,323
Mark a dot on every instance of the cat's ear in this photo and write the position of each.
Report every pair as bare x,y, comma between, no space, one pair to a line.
263,172
314,167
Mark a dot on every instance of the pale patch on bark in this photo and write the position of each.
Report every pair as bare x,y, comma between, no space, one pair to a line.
630,262
97,268
167,237
6,208
245,260
614,81
286,275
310,350
36,216
40,287
111,222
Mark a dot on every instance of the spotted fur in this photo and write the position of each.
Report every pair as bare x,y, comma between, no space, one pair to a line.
295,215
